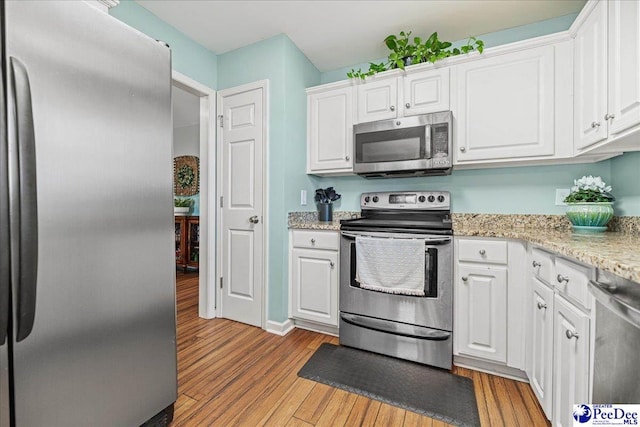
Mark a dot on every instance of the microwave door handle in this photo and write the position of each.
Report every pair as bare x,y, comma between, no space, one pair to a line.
427,141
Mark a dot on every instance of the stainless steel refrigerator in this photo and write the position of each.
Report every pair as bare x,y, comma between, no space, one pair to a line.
87,279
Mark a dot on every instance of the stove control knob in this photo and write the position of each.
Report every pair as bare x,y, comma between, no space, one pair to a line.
375,199
366,199
421,199
441,198
431,198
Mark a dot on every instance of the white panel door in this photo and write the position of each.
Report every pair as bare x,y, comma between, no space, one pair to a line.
624,65
505,106
590,80
570,362
377,100
242,228
542,344
480,328
426,92
315,285
330,131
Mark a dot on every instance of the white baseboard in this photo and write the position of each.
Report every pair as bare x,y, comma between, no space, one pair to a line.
490,368
279,328
317,327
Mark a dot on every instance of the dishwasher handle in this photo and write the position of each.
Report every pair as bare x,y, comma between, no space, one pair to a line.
606,295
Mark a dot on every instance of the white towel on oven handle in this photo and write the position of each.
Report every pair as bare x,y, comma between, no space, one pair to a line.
395,266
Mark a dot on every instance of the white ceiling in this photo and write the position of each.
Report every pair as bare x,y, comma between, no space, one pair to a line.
335,34
186,108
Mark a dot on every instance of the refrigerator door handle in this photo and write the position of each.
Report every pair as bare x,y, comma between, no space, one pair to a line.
5,238
27,262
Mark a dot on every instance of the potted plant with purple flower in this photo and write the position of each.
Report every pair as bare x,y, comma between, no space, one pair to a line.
325,198
590,204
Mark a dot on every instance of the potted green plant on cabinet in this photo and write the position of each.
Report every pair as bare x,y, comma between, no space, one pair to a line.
590,204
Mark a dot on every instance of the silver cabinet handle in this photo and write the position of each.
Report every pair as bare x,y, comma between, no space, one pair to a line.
562,278
609,116
595,124
407,105
347,158
482,251
398,123
313,241
332,264
392,108
254,219
465,278
535,264
463,149
541,306
572,334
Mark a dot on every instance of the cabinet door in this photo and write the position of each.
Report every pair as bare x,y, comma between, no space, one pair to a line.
377,100
480,329
590,80
330,131
542,344
426,92
624,64
505,106
314,293
570,362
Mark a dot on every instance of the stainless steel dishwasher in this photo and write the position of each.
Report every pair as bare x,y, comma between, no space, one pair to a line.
617,343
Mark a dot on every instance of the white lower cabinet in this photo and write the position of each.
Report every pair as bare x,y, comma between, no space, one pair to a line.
541,312
481,292
314,277
570,361
489,298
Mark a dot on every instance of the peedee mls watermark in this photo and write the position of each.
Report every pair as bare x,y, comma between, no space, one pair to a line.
605,415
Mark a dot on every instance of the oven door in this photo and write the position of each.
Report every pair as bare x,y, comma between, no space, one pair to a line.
434,310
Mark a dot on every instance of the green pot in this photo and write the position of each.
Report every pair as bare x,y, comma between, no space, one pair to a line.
590,214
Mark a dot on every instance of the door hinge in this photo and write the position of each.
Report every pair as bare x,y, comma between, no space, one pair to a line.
221,120
221,279
221,201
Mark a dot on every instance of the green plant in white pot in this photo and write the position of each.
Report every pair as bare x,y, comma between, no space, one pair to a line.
590,204
182,205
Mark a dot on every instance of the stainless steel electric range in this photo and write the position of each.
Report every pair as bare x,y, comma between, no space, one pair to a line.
413,327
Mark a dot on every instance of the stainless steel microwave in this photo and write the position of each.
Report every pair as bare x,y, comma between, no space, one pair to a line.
408,146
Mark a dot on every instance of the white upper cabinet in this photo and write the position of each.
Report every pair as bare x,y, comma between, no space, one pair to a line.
624,65
412,94
426,92
590,79
607,77
504,106
377,100
330,131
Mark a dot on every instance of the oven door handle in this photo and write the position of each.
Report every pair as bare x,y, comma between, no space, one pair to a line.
428,240
396,328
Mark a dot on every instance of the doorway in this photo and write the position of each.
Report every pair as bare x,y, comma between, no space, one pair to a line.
194,136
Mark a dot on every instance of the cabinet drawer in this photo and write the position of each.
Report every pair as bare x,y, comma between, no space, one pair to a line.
571,280
494,251
542,265
316,239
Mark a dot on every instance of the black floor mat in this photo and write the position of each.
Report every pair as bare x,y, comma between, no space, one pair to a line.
433,392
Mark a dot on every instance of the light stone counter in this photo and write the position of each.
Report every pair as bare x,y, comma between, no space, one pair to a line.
616,252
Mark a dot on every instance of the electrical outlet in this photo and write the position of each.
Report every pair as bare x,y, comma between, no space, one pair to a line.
303,197
561,193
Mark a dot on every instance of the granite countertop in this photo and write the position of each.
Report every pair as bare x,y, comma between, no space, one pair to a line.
617,252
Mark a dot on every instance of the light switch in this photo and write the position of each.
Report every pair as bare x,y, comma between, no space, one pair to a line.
303,197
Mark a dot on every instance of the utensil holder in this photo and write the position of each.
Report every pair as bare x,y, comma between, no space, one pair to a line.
325,212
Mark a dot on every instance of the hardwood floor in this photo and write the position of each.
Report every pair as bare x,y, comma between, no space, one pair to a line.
231,374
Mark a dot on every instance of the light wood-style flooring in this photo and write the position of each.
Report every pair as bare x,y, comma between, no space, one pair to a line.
231,374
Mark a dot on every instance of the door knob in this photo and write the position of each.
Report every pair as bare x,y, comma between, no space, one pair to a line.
482,252
536,264
463,149
562,278
392,108
332,264
595,124
541,305
407,105
572,334
465,278
609,116
347,158
254,219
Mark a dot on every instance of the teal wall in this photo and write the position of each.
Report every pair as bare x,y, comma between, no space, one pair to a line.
289,72
625,171
189,57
